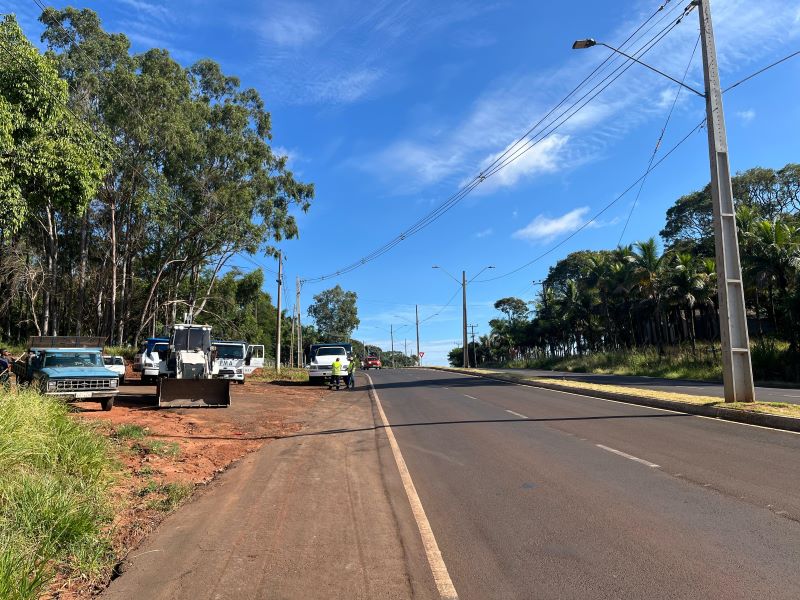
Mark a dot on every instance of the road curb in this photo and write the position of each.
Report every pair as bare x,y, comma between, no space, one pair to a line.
728,414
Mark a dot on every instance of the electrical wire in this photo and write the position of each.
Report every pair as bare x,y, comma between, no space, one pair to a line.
481,177
760,71
660,139
696,128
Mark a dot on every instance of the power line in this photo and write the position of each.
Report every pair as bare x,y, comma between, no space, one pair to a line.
641,179
660,139
696,128
481,177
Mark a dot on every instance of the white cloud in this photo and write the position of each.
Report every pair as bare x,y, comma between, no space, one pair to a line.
451,149
484,233
290,26
543,229
546,157
746,115
149,9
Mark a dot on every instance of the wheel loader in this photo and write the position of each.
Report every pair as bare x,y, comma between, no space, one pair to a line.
189,382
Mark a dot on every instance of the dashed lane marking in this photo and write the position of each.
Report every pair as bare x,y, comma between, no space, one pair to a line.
516,414
628,456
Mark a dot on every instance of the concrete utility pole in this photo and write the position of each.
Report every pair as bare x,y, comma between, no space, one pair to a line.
299,327
464,299
737,370
416,310
278,328
391,333
474,347
405,347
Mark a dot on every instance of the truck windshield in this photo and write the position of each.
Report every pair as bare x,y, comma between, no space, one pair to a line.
331,352
230,351
72,359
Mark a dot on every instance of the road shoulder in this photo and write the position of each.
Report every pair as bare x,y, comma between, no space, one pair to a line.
307,516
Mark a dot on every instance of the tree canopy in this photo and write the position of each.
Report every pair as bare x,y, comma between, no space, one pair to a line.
335,314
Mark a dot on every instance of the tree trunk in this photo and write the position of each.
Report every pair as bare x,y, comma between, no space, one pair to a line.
82,273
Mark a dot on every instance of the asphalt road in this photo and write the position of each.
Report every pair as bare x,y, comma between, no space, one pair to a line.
538,494
681,386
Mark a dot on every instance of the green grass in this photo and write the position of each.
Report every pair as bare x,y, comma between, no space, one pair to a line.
129,431
165,497
675,363
286,374
168,449
55,506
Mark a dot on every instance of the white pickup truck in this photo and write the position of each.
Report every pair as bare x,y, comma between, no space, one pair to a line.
319,369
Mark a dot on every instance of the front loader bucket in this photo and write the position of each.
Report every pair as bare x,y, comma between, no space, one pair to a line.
194,393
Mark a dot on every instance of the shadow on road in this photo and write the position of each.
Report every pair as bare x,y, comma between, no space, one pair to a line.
425,424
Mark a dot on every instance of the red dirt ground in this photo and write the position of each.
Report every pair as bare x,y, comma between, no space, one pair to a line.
186,447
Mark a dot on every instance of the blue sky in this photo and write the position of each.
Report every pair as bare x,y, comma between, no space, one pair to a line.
388,107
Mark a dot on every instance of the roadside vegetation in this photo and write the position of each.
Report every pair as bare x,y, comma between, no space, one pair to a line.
56,504
642,310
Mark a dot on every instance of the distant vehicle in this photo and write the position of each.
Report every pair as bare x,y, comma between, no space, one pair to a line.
151,360
234,360
372,362
116,364
71,368
322,357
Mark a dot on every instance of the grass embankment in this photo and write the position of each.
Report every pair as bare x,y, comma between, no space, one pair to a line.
55,496
772,362
286,374
675,363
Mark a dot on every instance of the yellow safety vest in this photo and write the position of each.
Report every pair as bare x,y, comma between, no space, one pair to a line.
337,367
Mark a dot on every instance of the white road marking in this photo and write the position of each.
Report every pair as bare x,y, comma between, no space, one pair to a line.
667,410
444,584
790,396
516,414
470,397
628,456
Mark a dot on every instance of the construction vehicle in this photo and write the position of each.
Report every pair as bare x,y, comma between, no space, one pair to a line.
189,380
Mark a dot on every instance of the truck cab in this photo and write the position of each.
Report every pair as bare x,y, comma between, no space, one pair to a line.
71,368
229,361
322,357
151,360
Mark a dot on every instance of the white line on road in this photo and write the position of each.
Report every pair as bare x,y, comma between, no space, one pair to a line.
470,397
516,414
444,584
628,456
790,396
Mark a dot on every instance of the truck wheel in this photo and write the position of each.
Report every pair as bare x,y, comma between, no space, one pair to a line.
107,403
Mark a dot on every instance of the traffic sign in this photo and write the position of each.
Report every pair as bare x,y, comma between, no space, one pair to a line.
421,354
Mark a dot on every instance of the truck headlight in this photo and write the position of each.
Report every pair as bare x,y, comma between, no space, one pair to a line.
51,386
113,383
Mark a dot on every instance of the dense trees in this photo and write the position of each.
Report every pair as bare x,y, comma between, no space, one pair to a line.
121,213
640,296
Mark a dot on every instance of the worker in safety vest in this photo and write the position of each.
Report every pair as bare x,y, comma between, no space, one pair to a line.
336,372
351,373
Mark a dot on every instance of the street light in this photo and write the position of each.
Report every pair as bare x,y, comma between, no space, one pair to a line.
589,42
463,284
737,368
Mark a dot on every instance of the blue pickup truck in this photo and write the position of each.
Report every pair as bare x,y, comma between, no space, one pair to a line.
71,368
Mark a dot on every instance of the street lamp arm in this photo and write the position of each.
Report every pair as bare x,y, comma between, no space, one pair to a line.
644,64
479,272
458,281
